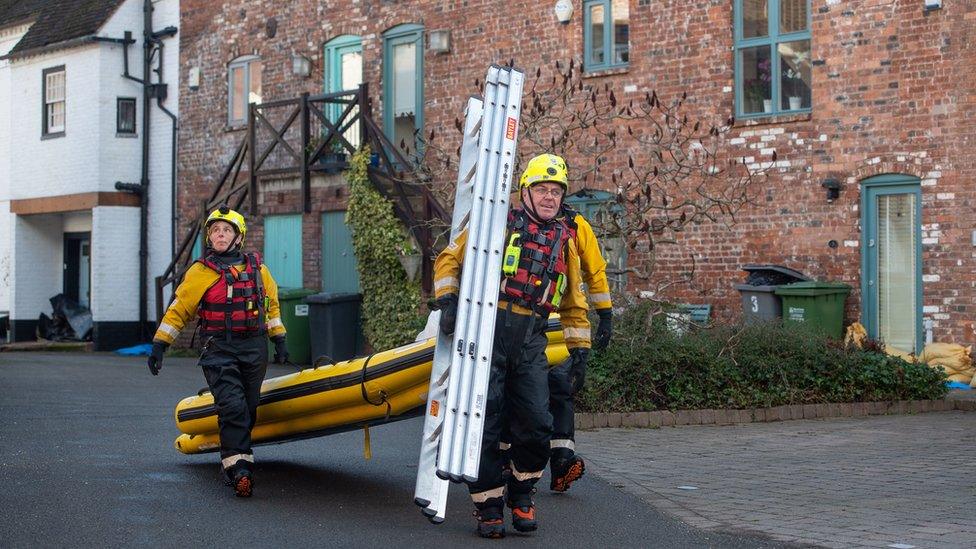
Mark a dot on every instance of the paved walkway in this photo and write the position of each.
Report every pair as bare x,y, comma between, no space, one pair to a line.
884,481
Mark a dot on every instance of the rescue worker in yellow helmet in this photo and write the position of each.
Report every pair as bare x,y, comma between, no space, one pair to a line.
565,466
236,302
541,273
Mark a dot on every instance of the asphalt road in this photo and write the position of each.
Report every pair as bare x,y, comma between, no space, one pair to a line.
87,459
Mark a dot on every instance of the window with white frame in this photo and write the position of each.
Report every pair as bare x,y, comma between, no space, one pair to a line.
53,82
606,34
773,70
243,87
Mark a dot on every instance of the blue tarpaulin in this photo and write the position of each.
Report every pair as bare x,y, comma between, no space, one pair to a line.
138,350
958,385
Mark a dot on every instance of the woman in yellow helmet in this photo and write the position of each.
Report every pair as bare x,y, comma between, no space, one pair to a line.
547,242
236,301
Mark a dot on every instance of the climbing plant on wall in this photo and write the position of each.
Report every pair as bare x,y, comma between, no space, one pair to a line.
391,303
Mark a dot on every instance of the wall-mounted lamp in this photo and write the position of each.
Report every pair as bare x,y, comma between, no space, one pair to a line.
439,41
933,5
301,65
564,11
833,188
193,78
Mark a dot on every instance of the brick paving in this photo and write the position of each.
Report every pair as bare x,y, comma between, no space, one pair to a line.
878,481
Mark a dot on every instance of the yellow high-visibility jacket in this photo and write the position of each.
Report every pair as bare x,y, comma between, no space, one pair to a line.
584,265
198,279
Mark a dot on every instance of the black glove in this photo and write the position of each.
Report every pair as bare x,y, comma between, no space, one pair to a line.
156,356
577,367
447,305
281,350
603,330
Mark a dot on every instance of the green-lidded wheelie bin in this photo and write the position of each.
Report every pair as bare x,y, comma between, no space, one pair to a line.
818,304
294,315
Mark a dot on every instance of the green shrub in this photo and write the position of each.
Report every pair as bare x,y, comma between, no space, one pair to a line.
391,304
647,367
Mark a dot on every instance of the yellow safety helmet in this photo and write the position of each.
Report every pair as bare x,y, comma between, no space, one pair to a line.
545,167
224,213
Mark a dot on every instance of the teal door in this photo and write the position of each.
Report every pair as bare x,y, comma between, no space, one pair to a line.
344,71
403,86
891,260
339,269
283,249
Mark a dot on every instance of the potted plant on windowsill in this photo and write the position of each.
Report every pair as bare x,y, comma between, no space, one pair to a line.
794,83
757,90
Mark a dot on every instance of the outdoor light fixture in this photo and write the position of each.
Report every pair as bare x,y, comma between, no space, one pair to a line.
301,65
933,5
833,188
564,11
439,41
193,78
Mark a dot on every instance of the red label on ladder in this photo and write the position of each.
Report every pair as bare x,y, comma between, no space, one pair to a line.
510,130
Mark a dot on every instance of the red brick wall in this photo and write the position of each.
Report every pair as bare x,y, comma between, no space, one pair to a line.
892,93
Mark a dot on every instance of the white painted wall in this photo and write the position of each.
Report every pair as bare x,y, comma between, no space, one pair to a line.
38,247
115,264
120,157
8,38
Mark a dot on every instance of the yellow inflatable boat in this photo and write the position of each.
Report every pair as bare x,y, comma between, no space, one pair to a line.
380,388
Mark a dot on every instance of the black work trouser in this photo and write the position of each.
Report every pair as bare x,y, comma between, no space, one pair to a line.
561,405
518,397
235,370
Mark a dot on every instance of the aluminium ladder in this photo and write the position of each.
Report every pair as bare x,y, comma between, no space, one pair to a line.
456,399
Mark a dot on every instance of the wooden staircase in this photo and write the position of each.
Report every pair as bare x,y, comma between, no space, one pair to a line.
303,136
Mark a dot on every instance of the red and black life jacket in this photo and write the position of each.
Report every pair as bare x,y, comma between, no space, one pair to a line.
234,305
540,278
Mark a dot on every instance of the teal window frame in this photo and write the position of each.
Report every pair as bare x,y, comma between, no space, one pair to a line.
772,40
881,185
402,34
608,46
334,50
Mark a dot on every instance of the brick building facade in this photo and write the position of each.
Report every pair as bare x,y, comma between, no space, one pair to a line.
889,92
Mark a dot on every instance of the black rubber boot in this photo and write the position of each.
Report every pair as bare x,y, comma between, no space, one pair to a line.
523,513
243,480
491,520
565,468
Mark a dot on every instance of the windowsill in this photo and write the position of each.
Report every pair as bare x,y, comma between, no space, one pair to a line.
765,120
610,71
235,127
46,136
126,135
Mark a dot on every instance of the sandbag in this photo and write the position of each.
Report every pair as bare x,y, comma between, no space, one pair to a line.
955,359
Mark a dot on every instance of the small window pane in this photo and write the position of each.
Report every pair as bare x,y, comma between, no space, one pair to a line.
352,70
596,35
795,70
254,73
405,96
55,120
55,87
237,93
757,78
755,18
126,122
792,16
621,31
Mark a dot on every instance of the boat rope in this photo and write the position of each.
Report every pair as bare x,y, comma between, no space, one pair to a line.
362,387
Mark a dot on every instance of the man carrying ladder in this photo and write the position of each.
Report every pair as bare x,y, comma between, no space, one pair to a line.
541,273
